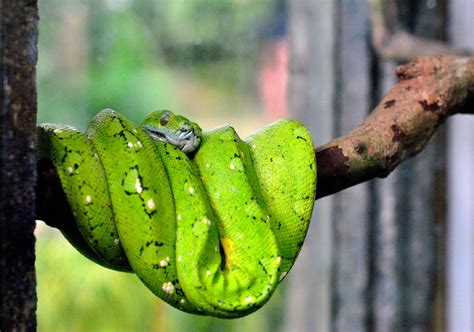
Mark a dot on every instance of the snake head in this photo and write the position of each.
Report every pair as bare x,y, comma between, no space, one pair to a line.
174,129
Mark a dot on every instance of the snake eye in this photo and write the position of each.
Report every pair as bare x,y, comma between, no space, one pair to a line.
165,118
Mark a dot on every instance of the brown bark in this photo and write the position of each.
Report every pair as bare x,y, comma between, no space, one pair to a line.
429,90
18,176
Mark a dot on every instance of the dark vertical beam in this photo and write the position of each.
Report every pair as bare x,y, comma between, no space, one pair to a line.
18,121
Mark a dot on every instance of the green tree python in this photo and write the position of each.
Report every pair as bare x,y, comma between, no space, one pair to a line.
210,223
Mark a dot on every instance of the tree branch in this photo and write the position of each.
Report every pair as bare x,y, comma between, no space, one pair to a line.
429,90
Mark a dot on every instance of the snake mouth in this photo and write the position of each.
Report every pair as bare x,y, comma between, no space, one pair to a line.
184,138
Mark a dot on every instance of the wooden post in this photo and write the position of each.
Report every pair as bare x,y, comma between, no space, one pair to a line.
17,207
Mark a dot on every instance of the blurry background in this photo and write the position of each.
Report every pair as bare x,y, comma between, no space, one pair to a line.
375,257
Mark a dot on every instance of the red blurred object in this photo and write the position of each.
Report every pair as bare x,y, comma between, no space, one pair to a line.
273,77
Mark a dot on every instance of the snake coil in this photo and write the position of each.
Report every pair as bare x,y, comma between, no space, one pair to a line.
211,231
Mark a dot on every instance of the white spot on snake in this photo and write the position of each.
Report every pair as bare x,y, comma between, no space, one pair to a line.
208,273
249,299
134,130
168,287
179,258
178,217
282,275
69,169
151,204
163,263
216,249
167,259
279,259
232,166
191,190
130,144
182,301
139,144
88,199
96,155
253,146
207,165
206,221
138,186
116,242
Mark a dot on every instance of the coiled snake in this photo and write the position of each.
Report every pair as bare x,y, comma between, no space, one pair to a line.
209,222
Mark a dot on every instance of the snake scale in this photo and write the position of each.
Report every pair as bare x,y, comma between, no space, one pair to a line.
210,223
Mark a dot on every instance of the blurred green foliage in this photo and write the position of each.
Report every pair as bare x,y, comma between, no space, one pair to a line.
133,56
198,58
